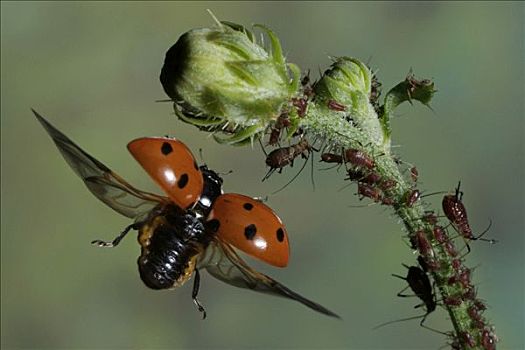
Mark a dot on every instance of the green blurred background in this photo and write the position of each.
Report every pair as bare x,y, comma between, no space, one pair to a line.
92,69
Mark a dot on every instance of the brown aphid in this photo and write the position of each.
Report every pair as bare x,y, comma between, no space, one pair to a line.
332,158
370,178
450,248
301,104
371,192
281,123
359,158
468,339
387,184
336,106
456,212
476,317
430,217
412,197
387,201
456,264
423,245
488,340
452,301
281,157
439,234
414,174
470,293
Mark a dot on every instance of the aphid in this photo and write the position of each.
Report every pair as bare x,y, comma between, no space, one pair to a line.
450,248
387,184
371,192
470,293
359,158
419,283
177,237
414,174
476,317
488,340
456,212
452,301
332,158
468,339
370,178
336,106
442,238
412,197
281,123
301,104
430,217
387,200
281,157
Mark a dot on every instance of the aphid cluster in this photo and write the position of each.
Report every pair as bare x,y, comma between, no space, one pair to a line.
288,120
426,240
196,226
361,169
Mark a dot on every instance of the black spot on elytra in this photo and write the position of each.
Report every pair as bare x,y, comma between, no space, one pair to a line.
183,181
248,206
213,225
250,231
280,235
166,148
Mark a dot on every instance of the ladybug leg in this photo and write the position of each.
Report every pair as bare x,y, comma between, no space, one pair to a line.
195,291
116,241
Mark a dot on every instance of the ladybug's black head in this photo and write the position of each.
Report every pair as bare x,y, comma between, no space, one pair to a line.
211,190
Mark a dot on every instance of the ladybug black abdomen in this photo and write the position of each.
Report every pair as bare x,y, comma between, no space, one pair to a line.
170,242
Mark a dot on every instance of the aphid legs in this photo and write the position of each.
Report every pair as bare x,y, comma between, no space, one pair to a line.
195,292
116,240
292,179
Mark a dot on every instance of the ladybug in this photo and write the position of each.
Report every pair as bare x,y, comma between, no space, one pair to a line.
195,226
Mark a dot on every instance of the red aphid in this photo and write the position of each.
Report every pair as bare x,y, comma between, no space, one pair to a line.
332,158
336,106
301,105
468,339
366,190
281,122
412,197
281,157
488,340
456,212
388,184
414,174
359,158
452,301
450,248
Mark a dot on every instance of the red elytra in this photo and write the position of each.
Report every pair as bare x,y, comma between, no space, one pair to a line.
172,166
250,226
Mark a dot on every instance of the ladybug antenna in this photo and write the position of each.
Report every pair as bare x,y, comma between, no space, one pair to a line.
201,156
226,173
291,180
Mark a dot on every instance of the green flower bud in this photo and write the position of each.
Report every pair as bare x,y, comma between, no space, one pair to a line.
347,82
221,80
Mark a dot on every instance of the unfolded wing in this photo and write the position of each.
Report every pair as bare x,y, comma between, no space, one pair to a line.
100,180
223,263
